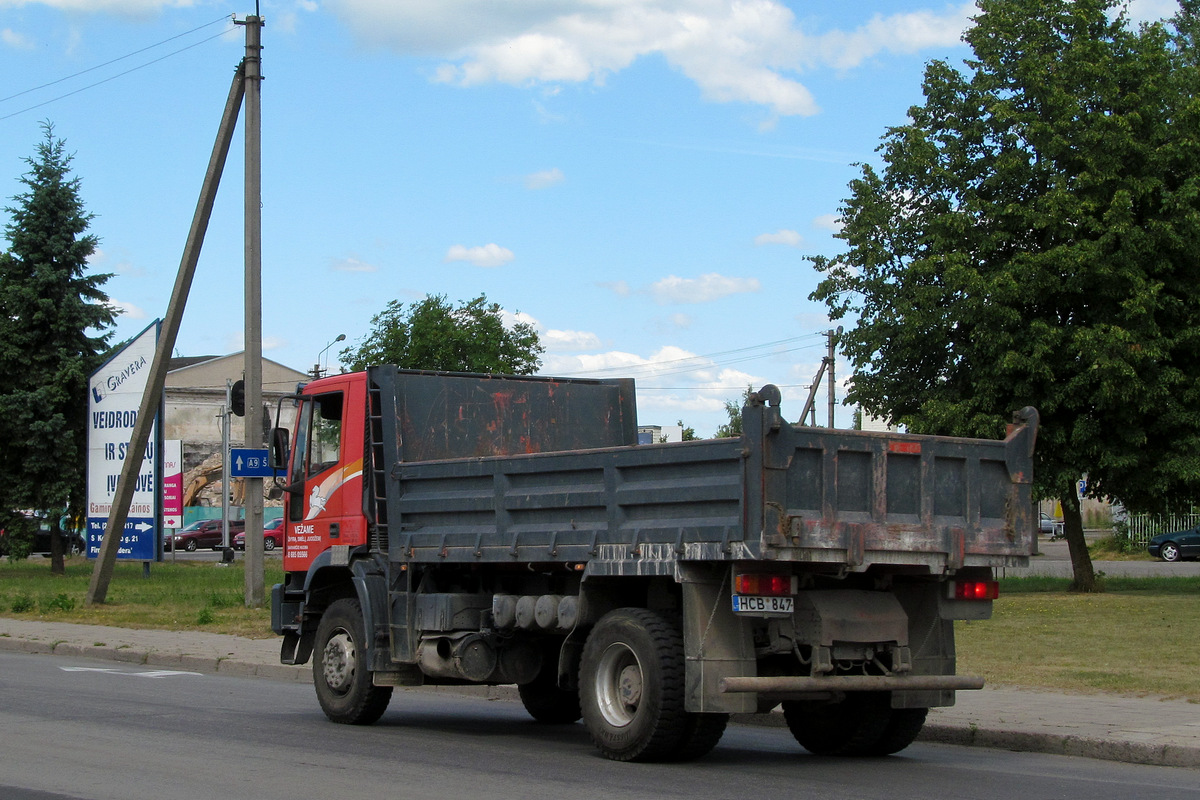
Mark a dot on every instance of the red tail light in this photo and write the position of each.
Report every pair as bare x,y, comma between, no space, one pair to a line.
974,590
765,585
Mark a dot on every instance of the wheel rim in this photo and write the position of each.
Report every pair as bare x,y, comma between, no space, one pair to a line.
619,685
338,661
268,543
1169,553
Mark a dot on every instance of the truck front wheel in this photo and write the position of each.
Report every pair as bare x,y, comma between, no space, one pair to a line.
340,674
631,691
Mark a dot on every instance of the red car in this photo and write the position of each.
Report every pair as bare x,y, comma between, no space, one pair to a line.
201,533
272,536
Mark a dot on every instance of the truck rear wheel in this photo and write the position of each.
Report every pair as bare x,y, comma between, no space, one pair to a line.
546,702
901,731
631,690
853,727
340,674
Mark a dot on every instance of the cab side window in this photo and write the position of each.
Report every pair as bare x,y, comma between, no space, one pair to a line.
325,434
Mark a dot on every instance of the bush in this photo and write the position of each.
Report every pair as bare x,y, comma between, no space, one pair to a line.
22,603
59,602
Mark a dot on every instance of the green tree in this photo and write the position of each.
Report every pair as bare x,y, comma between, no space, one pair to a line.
689,433
1032,240
53,321
431,334
733,409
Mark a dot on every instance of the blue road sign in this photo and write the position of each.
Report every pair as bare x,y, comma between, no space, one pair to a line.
249,463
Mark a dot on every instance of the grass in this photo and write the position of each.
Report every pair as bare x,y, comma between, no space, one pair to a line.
1137,637
187,595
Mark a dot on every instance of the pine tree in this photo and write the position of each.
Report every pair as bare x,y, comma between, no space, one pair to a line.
54,318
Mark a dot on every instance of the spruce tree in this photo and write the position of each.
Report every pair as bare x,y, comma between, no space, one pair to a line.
54,321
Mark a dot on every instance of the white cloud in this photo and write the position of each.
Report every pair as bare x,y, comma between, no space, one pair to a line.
828,222
569,341
781,236
619,288
704,289
128,310
17,41
490,255
746,51
129,8
351,264
898,33
544,179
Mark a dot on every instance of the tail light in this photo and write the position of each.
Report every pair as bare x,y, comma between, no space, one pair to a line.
974,590
764,584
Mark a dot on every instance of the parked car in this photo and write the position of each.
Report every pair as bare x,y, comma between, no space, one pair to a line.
272,536
201,533
73,541
1051,527
1176,546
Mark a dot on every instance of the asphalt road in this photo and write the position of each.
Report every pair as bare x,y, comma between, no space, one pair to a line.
90,730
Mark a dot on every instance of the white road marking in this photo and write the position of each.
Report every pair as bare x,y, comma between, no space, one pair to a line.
154,673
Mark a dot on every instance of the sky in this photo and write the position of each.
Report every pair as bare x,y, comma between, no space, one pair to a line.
640,180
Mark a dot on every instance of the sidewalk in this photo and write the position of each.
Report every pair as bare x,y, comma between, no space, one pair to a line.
1111,727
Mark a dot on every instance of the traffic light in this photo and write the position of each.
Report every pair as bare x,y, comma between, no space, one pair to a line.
237,398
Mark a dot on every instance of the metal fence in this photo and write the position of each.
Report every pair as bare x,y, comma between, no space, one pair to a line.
1143,527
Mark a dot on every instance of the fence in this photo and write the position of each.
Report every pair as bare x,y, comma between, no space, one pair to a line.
1143,527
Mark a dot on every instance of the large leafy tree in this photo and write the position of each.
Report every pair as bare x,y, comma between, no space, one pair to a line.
1032,239
53,321
431,334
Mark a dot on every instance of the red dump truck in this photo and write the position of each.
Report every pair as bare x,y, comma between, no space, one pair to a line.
477,529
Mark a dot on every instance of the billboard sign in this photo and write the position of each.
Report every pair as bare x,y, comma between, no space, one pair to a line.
114,396
172,483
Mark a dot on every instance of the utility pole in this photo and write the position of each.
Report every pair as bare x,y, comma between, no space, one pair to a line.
152,395
255,588
832,385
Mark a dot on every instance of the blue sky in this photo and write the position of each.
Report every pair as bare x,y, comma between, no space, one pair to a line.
639,179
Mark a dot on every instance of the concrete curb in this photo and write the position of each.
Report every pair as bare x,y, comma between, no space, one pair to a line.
1064,745
971,734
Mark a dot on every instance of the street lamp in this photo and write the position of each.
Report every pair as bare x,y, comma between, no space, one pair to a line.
317,367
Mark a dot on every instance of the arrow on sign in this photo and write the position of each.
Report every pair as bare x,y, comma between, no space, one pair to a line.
143,527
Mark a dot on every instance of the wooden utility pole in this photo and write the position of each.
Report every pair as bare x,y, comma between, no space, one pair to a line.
832,385
152,396
254,437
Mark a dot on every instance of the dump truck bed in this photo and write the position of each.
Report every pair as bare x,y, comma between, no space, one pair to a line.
835,499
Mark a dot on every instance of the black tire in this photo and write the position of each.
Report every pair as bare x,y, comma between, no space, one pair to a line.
703,734
901,731
1169,552
268,543
546,702
631,690
190,546
340,674
853,727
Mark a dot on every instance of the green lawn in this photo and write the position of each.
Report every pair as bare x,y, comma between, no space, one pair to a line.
187,595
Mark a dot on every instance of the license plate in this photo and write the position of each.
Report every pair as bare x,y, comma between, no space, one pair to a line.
749,604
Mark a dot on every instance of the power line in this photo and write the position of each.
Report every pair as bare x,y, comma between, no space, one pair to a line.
113,61
113,77
707,361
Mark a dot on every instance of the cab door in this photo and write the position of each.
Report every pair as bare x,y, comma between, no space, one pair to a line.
325,482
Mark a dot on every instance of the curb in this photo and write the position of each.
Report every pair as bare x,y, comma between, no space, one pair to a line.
1063,745
934,732
210,665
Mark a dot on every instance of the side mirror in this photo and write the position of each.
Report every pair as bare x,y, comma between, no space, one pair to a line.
279,449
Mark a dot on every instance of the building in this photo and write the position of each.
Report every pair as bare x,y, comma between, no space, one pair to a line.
193,399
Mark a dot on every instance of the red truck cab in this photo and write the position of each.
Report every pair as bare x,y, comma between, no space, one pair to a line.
323,502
